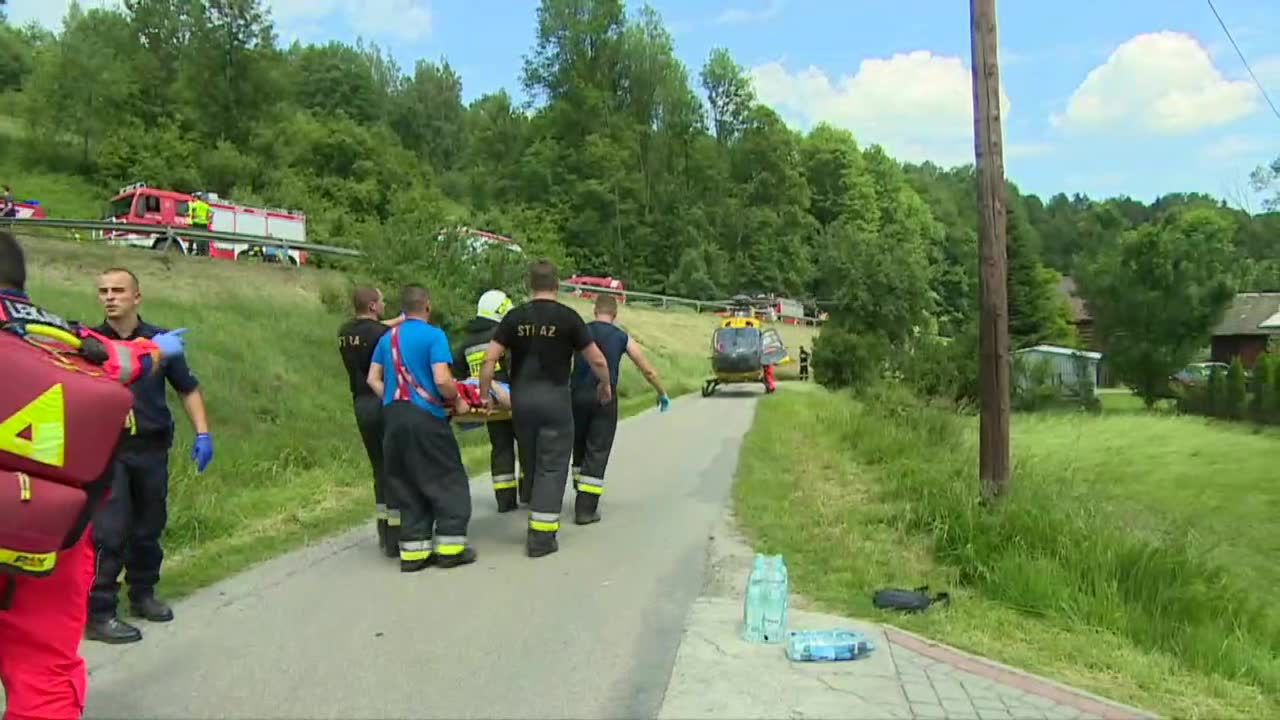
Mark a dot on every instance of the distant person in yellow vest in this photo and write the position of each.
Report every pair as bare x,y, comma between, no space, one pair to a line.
199,213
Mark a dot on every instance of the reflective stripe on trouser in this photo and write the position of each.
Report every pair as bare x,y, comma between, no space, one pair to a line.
504,482
544,522
590,485
450,544
414,550
543,419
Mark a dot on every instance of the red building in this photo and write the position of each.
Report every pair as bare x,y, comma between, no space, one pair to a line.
1251,321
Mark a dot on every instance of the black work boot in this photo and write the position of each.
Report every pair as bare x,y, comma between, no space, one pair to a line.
540,543
466,557
506,498
150,608
112,630
586,509
412,566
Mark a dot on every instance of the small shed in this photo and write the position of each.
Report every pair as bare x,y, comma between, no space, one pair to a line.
1065,366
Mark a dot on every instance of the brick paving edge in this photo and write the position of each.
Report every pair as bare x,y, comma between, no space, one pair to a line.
1019,679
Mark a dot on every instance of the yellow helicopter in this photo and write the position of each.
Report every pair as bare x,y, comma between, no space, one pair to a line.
743,351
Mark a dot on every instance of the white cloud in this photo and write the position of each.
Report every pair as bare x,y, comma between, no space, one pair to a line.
737,16
917,105
1162,82
1234,148
397,20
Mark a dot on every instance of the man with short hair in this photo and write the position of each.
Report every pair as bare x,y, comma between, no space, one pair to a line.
128,527
357,339
410,371
542,336
596,424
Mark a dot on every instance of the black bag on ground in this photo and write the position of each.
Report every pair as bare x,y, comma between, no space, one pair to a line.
910,601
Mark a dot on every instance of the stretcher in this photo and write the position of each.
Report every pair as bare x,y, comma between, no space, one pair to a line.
476,415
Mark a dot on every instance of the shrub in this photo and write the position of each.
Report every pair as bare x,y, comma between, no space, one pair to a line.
1235,391
942,368
846,359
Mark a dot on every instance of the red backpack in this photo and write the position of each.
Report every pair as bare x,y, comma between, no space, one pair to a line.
60,420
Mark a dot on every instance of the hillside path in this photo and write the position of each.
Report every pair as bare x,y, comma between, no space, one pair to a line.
635,617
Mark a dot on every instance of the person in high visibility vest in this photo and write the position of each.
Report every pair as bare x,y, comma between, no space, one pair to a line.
42,619
199,213
468,358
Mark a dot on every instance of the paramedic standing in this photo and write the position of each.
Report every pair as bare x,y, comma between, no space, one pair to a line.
410,370
199,213
128,526
357,339
542,336
468,358
594,424
42,619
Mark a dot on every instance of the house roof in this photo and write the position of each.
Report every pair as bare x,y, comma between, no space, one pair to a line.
1251,314
1059,350
1079,310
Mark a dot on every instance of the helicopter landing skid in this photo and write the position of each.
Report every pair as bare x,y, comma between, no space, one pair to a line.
709,387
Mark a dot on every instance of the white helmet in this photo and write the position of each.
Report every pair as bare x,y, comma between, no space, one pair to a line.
493,305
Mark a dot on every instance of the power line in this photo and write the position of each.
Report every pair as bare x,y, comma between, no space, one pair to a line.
1246,62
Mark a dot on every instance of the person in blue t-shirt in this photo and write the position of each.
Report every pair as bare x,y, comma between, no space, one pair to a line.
594,425
410,371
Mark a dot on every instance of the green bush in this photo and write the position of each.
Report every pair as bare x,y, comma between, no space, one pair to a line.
844,359
942,368
1235,391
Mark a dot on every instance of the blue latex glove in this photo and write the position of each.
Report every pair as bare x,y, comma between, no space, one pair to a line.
170,343
664,403
202,451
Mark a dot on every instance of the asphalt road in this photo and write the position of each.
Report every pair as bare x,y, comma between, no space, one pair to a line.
335,631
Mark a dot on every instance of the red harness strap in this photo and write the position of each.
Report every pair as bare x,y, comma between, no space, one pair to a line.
404,378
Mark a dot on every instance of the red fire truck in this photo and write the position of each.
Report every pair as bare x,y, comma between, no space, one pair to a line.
139,204
610,283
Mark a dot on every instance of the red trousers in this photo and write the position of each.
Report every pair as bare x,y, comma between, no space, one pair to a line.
44,676
769,383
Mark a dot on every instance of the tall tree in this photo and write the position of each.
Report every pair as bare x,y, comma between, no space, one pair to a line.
729,93
1157,292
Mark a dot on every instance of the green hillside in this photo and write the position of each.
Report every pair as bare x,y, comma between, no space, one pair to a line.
289,466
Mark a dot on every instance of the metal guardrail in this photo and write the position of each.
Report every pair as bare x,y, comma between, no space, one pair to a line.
665,301
101,228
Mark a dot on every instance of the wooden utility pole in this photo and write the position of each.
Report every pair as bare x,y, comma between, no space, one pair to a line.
993,334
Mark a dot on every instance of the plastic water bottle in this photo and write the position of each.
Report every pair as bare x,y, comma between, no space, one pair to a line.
827,645
764,612
777,601
753,604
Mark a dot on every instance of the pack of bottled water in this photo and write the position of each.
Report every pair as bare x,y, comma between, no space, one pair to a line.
764,611
827,645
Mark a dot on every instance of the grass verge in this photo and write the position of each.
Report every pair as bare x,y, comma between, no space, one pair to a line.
1120,563
289,467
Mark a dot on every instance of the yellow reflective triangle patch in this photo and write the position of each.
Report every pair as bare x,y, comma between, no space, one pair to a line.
37,431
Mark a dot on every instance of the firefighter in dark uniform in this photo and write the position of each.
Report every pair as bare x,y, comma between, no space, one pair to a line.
411,372
357,339
594,424
804,363
468,358
542,336
127,528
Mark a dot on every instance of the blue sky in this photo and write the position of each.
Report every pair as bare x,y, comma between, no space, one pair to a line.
1136,97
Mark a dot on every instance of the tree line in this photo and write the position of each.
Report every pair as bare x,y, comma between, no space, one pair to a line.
623,162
